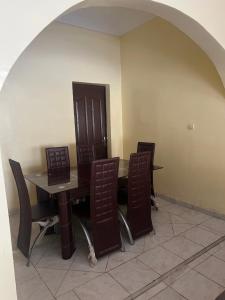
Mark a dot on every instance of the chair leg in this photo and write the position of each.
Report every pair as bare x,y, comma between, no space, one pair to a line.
123,220
122,249
47,224
91,256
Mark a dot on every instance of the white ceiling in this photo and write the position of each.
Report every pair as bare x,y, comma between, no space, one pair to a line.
110,20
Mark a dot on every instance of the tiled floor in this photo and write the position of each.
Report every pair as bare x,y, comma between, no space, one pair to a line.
180,233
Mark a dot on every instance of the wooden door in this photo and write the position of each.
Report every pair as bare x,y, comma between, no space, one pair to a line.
90,119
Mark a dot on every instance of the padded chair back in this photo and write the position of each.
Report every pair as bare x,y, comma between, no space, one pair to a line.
57,158
85,154
143,147
104,207
24,235
149,147
139,206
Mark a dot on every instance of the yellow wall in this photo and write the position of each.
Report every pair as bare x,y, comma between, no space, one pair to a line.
36,107
168,83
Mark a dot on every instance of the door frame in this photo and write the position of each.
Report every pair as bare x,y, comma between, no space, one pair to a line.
108,111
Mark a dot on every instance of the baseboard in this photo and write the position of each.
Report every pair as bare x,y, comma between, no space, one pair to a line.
191,206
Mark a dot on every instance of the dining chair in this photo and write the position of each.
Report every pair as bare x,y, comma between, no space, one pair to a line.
134,197
142,147
102,210
57,158
44,214
85,154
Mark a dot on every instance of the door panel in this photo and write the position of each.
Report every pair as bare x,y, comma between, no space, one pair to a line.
90,117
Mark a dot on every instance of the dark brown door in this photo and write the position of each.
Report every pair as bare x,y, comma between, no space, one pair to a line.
90,118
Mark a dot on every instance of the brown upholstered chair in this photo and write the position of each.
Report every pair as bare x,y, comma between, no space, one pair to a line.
57,159
142,147
102,210
43,214
135,197
85,154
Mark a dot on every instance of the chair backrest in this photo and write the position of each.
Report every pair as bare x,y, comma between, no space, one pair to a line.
24,235
149,147
57,158
85,154
139,205
104,207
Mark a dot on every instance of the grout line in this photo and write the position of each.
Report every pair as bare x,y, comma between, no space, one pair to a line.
176,268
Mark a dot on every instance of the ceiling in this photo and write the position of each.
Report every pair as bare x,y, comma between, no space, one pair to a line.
110,20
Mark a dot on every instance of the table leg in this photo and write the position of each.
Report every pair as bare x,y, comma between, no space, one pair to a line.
65,221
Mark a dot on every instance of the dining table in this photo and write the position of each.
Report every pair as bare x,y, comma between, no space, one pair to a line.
59,185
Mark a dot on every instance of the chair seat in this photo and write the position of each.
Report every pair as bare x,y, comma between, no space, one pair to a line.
82,210
42,211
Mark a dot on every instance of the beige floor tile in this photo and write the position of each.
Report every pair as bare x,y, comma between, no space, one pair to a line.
160,259
52,259
201,236
177,209
194,286
220,253
161,202
154,240
177,274
81,262
195,217
22,272
133,275
182,247
180,228
33,289
75,279
52,278
103,287
68,296
217,248
118,258
168,294
199,260
162,230
138,246
152,292
214,269
215,225
162,217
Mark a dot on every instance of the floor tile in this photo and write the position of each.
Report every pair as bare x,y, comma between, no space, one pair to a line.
160,259
220,253
177,209
164,230
201,236
152,292
182,247
215,225
194,286
118,258
33,289
75,279
22,272
199,260
177,219
52,278
162,217
52,259
103,287
214,269
177,274
138,246
81,262
161,202
153,240
195,217
180,228
68,296
133,275
168,294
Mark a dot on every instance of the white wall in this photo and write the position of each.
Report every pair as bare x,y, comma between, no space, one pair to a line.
37,102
